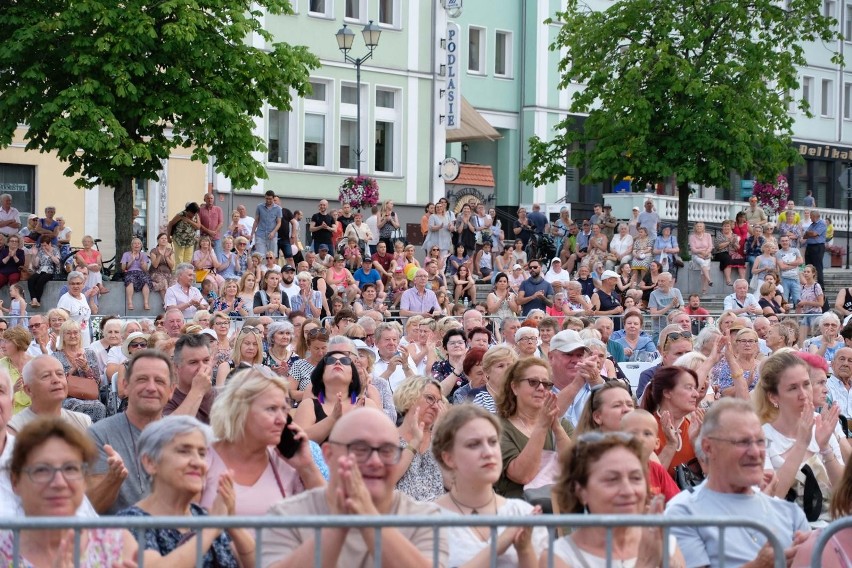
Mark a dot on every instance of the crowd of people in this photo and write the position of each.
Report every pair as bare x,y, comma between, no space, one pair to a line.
291,385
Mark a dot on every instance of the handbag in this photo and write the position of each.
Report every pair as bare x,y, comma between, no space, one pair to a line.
688,475
201,274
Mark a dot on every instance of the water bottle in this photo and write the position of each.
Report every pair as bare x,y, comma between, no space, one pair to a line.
466,303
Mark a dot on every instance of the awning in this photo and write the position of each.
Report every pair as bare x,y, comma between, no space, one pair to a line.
473,126
474,175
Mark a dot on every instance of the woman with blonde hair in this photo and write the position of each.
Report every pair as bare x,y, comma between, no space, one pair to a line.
248,351
247,288
606,405
16,341
81,369
797,436
419,401
495,363
248,419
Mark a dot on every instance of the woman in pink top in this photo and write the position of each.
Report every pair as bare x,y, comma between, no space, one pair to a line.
701,249
248,419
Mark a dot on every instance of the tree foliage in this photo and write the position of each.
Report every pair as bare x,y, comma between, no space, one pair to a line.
113,87
673,88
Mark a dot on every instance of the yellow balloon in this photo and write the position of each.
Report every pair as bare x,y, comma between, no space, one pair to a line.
410,270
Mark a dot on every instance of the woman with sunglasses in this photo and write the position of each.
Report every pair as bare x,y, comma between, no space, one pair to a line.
594,466
671,397
248,351
420,402
248,419
336,389
534,433
315,347
738,371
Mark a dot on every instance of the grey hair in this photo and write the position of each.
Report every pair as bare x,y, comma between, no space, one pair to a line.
510,319
712,419
304,275
829,316
159,433
364,321
705,335
28,372
341,340
525,331
75,274
5,195
385,326
183,266
593,343
536,312
277,326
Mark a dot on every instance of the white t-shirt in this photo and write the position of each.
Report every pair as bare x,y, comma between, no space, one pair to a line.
561,276
80,312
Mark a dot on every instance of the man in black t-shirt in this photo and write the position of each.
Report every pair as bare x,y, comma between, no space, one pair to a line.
322,227
346,217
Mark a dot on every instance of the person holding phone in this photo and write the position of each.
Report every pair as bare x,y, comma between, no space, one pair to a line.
250,418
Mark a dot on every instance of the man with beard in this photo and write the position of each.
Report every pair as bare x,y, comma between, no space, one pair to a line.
535,292
288,275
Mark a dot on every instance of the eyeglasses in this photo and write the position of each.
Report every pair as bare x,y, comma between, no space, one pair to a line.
318,333
137,345
43,473
456,343
35,325
389,454
747,341
221,322
746,443
431,400
529,338
332,360
535,383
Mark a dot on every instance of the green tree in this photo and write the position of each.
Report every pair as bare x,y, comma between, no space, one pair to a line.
693,90
113,87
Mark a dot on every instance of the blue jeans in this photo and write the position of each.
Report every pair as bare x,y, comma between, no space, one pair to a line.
792,289
217,247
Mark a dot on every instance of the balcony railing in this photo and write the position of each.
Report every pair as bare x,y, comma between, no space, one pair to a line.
711,211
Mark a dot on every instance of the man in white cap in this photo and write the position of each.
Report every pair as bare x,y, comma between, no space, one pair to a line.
556,276
574,372
605,302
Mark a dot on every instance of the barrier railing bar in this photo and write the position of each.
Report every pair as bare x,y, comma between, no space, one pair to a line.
377,550
378,522
825,535
16,549
609,546
77,535
551,538
722,543
317,547
666,552
436,553
199,557
493,547
258,547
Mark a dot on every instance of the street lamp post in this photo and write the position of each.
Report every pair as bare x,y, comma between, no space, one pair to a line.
848,226
345,37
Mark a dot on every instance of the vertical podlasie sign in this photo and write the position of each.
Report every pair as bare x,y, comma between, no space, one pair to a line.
453,100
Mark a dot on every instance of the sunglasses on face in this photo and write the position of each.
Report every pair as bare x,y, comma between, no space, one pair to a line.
138,345
343,360
535,383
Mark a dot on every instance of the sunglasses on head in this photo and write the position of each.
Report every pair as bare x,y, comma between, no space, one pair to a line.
318,332
249,329
674,336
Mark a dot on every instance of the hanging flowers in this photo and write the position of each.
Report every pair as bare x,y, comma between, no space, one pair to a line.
772,197
359,192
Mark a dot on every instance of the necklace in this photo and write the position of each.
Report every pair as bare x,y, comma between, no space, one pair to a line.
473,510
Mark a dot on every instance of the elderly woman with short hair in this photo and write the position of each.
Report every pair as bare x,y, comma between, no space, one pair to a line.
279,337
76,304
81,369
307,300
420,402
173,453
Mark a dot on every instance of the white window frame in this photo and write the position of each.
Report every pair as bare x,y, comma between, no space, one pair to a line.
847,32
847,101
396,20
483,52
328,13
508,59
826,101
394,117
349,111
324,108
808,91
362,12
829,8
291,137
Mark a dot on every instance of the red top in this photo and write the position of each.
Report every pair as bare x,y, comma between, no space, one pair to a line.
211,219
742,232
660,482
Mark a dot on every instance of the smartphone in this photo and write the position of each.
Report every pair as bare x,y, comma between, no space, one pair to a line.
288,445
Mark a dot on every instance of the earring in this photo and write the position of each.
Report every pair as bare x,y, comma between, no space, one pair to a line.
585,509
775,404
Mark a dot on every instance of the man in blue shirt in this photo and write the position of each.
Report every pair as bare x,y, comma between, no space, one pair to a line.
538,220
368,275
535,292
267,221
815,244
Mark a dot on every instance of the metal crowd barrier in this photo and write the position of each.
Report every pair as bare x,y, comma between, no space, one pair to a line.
436,523
844,554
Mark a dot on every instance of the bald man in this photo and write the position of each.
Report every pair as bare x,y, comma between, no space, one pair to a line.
363,454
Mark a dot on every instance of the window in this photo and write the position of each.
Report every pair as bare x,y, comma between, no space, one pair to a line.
384,146
503,54
847,33
828,8
847,101
808,90
475,50
348,144
349,94
279,137
386,157
388,10
355,10
827,98
317,109
319,7
19,181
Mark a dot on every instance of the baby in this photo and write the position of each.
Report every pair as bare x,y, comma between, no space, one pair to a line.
643,426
